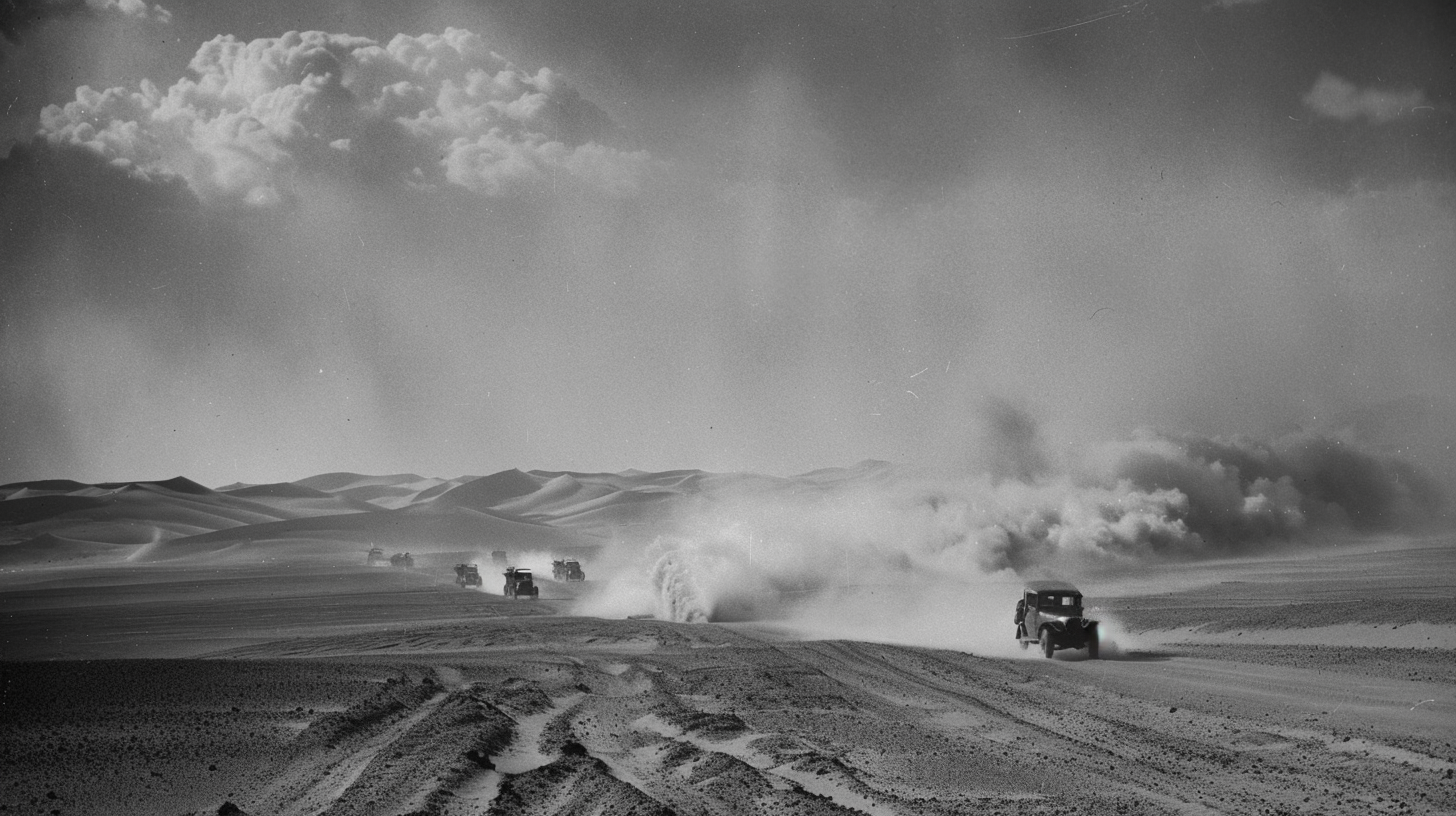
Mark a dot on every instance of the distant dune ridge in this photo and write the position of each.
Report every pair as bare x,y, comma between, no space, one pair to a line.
1153,497
338,514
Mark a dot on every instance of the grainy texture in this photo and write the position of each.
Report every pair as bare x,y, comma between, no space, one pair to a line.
407,695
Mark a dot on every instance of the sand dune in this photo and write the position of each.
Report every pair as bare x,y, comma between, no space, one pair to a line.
390,492
491,491
294,500
256,664
344,536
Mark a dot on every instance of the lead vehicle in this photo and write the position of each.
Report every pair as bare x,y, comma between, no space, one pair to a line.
1049,614
520,585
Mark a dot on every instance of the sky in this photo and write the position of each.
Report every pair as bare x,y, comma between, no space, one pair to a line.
259,241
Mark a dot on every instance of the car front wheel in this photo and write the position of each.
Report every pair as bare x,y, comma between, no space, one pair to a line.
1046,643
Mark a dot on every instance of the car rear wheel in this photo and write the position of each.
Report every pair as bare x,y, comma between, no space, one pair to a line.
1046,643
1092,643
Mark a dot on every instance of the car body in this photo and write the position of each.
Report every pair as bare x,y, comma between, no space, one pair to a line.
571,570
467,575
519,584
1049,614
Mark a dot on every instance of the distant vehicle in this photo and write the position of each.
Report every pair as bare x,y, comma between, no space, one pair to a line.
520,585
376,556
402,560
467,575
567,570
1049,614
498,558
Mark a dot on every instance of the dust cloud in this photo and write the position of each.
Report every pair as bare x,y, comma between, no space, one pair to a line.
886,553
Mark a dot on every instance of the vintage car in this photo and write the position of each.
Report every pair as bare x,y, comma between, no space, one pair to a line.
467,575
567,570
520,585
1049,614
404,560
376,556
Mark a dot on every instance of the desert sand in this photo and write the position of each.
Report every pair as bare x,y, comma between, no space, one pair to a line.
173,649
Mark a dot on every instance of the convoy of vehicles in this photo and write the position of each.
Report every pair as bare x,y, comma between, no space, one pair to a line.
1049,614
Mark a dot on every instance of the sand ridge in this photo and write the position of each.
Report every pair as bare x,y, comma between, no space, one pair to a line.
278,673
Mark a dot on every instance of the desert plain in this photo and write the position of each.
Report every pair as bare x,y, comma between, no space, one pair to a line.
167,648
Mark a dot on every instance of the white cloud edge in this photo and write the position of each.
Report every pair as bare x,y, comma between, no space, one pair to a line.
255,118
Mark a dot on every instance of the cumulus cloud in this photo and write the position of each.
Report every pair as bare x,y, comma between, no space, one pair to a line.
16,16
1341,99
260,117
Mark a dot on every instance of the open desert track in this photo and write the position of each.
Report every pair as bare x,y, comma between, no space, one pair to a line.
549,715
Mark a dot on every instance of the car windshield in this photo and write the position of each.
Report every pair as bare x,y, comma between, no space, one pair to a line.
1056,602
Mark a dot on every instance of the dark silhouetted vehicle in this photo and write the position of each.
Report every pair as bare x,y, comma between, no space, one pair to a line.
402,560
467,575
1049,614
520,585
376,556
567,570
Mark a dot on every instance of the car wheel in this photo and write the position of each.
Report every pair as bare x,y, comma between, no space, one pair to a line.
1046,643
1092,643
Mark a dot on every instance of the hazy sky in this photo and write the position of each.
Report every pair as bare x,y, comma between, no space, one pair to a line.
258,241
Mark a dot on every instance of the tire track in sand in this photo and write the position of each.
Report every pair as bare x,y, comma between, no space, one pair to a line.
1031,744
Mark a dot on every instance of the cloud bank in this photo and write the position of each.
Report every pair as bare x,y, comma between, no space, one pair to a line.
428,111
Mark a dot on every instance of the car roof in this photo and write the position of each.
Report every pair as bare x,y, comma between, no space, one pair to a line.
1052,586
